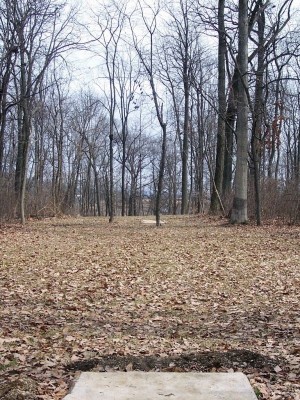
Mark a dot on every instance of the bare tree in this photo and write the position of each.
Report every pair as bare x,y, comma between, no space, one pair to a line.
180,52
147,61
8,55
90,122
129,93
41,35
266,38
110,23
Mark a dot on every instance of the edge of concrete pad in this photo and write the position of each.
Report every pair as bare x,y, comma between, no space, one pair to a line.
138,385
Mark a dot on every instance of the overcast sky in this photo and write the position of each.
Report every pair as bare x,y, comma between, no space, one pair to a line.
85,65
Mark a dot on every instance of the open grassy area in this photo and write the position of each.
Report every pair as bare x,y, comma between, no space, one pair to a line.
80,294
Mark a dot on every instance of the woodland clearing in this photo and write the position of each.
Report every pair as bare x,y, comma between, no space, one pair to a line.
193,295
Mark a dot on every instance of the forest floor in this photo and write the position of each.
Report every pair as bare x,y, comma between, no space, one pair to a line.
194,295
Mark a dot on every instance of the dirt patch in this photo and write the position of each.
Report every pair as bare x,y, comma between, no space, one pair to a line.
204,362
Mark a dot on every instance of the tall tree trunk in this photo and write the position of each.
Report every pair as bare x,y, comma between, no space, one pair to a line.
24,127
239,212
3,102
123,172
111,179
185,143
258,115
218,176
200,150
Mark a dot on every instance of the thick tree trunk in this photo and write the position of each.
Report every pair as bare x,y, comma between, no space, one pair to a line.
239,212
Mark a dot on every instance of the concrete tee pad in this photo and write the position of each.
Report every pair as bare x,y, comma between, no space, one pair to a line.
138,385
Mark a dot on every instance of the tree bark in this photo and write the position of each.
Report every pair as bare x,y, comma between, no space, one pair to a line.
239,213
161,173
219,169
258,115
229,134
111,179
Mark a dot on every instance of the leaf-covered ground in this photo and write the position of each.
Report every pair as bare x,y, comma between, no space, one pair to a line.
195,294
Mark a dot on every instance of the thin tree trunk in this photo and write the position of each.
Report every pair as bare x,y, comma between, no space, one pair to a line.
3,103
200,156
161,174
111,179
23,137
219,170
97,194
258,116
229,133
185,145
123,192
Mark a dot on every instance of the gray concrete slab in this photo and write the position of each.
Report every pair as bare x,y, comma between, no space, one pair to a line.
137,385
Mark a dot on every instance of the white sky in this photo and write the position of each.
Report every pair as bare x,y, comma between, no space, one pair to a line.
85,65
